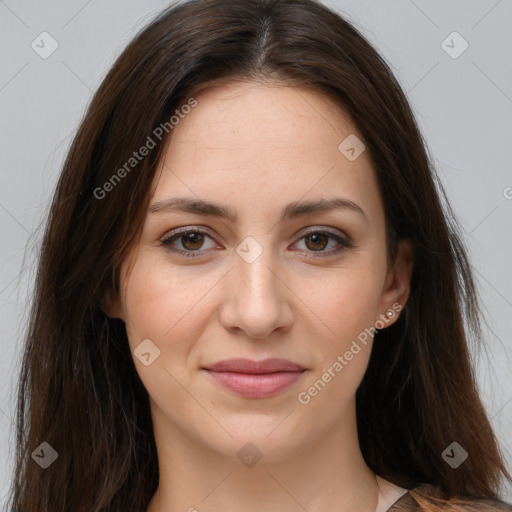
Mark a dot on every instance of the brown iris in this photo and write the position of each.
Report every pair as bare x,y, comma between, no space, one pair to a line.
317,241
192,241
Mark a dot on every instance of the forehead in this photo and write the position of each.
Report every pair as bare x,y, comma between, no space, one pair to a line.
251,143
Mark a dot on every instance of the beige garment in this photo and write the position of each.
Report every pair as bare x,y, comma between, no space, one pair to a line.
393,498
389,493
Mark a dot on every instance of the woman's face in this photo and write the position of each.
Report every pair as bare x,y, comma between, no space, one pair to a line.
266,272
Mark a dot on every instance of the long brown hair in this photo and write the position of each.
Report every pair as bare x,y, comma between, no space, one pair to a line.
79,390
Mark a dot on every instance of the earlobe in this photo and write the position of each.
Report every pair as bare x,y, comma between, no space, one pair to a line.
403,270
398,282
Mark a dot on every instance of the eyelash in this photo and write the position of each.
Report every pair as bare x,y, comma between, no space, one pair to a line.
174,235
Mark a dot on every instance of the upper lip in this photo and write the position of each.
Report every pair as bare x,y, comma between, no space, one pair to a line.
249,366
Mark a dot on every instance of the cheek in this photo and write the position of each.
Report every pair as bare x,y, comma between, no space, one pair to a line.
146,301
347,309
345,304
162,304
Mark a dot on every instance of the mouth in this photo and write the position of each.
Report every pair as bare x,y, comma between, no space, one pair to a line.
255,379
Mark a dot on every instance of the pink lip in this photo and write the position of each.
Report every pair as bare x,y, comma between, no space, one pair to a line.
255,379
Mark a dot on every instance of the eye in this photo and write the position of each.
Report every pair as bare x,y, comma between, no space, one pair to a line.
190,242
317,240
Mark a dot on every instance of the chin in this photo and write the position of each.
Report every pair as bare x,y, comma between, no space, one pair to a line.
258,436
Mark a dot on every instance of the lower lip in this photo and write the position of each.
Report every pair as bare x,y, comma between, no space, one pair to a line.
256,385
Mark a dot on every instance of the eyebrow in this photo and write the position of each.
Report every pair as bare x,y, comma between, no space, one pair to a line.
293,210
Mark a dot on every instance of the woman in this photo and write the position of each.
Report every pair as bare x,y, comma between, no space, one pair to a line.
249,295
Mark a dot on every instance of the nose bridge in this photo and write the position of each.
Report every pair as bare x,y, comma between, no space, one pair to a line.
254,270
257,301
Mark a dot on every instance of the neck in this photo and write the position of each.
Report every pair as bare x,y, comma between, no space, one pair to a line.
329,475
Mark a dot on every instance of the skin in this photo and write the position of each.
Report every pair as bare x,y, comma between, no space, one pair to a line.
255,148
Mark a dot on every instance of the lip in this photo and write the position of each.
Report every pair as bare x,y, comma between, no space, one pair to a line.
255,379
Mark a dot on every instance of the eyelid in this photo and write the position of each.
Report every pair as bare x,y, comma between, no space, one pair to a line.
188,229
324,229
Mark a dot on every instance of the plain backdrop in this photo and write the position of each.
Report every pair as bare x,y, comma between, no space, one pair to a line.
462,98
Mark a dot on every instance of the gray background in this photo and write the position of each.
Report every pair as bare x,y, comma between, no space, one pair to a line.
463,105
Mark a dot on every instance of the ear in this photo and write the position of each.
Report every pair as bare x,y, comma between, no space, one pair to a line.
397,286
110,304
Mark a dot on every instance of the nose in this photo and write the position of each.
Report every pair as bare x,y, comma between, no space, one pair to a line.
256,298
